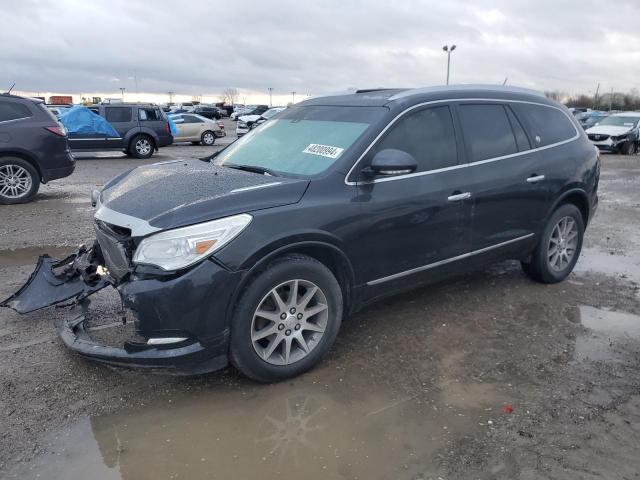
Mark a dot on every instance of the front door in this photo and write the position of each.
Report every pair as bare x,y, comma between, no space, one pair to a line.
420,221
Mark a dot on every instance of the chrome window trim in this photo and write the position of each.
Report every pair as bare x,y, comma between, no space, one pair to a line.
446,261
464,165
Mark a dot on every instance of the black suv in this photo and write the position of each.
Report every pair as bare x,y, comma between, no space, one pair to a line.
259,253
33,148
208,112
142,129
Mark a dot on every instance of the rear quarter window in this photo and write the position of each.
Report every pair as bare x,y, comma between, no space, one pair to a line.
546,125
13,111
149,114
118,114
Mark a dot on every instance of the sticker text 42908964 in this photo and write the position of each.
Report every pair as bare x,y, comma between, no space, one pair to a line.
323,150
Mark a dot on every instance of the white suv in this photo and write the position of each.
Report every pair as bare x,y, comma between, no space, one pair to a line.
619,132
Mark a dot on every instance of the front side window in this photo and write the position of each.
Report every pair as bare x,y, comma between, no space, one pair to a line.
13,111
301,141
546,125
118,114
428,135
487,131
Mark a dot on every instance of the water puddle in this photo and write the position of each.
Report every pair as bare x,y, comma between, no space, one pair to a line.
592,260
608,332
29,255
352,427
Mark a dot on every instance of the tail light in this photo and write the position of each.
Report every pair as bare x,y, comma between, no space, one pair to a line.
221,125
167,128
58,130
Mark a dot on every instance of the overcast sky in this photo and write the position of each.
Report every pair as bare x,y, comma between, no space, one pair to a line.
205,46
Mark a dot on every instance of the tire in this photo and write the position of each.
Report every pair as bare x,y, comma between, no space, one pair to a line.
280,276
545,267
208,138
141,146
19,181
628,148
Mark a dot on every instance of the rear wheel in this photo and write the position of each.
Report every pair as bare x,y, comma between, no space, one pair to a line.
286,319
559,247
208,138
19,181
141,146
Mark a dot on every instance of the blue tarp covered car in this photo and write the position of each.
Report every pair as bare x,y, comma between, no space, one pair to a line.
80,121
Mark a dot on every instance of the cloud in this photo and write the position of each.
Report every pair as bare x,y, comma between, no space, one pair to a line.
202,47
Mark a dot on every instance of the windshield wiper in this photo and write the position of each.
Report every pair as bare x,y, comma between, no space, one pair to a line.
251,168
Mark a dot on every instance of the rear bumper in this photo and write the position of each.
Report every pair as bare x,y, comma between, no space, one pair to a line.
164,140
65,165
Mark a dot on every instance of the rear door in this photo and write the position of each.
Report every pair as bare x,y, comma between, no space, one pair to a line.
419,221
508,202
121,118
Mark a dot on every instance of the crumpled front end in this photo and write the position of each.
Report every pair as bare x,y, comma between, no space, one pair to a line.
179,317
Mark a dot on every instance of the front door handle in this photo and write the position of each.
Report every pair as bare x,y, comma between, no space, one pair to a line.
456,197
535,178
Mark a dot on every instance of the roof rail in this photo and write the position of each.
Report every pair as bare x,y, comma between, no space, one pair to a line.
485,87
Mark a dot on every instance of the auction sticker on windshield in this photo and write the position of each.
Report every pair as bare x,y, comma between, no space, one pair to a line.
323,150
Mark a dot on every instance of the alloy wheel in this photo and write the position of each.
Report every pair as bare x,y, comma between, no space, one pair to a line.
143,146
563,243
208,138
15,181
289,322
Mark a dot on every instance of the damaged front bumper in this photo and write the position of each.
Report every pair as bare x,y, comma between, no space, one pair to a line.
179,317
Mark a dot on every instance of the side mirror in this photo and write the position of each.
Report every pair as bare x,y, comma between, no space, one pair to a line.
391,162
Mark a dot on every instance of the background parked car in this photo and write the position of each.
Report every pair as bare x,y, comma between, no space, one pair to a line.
58,110
142,129
208,112
619,132
33,148
248,122
250,110
589,119
196,129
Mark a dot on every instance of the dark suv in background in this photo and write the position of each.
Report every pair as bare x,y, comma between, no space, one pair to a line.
142,129
33,148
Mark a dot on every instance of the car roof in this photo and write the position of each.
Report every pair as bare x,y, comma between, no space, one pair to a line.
389,96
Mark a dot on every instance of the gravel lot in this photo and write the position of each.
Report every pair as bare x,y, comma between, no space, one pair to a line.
486,376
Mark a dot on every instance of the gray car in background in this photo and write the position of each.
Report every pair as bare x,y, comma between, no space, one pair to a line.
142,129
33,148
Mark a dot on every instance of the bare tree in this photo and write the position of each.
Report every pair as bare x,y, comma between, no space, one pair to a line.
230,95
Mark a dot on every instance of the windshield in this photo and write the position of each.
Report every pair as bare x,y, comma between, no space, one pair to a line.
301,140
270,113
620,121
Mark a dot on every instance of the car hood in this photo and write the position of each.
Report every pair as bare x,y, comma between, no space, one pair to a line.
184,192
609,130
249,118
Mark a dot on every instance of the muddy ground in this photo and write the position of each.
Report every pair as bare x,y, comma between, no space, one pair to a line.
486,376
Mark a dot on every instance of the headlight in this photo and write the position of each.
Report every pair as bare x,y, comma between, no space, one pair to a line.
181,247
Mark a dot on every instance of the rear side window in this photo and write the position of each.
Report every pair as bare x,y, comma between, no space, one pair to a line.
13,111
118,114
546,125
428,135
487,131
149,114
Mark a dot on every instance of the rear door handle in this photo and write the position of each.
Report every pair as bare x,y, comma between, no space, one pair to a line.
535,178
459,196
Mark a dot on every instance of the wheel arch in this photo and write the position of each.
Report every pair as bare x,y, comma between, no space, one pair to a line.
326,253
576,196
131,134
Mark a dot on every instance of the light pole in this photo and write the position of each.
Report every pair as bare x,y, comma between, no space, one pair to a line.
448,49
122,89
170,98
270,92
293,97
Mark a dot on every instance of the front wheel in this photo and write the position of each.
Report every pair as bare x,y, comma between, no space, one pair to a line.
628,148
208,138
559,247
286,320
